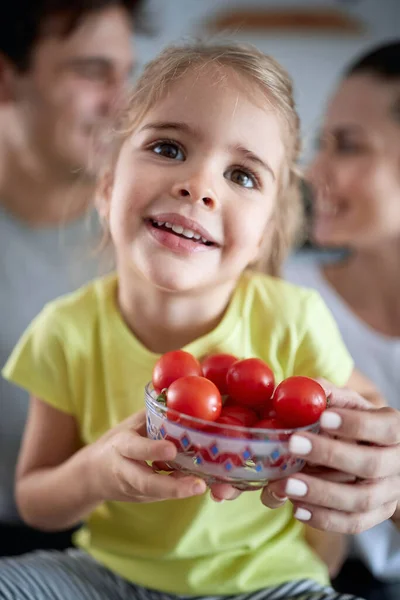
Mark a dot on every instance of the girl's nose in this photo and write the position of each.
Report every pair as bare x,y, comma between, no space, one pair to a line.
207,200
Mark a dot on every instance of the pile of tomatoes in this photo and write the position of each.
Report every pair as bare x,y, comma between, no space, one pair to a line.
225,390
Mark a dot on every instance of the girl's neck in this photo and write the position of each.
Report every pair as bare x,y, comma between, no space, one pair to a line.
165,321
368,280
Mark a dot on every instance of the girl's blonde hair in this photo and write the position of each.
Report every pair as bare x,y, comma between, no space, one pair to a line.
276,85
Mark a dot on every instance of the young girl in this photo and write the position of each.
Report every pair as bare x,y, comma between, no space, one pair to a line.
201,188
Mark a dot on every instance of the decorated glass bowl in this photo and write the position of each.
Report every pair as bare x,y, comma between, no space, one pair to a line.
247,458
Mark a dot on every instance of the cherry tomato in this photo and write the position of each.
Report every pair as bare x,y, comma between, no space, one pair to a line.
215,368
226,431
173,365
250,382
266,411
269,424
244,414
299,401
195,396
228,401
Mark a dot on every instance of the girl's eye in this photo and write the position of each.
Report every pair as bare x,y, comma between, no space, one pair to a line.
169,150
242,178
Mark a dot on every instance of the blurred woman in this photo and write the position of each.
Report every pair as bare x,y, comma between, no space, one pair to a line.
355,179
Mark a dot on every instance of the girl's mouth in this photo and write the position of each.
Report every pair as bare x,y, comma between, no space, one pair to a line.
180,232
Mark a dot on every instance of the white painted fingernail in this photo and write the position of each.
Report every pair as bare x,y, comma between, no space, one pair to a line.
299,445
302,514
330,420
296,487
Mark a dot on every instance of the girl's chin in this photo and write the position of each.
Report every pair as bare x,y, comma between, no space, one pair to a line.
173,282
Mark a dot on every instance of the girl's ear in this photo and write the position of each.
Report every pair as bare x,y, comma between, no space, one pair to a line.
104,194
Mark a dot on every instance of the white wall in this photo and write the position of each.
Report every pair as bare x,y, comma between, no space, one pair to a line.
314,63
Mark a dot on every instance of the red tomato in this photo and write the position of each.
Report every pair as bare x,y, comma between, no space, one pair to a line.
269,424
215,368
227,420
244,414
173,365
266,411
195,396
299,401
228,401
250,381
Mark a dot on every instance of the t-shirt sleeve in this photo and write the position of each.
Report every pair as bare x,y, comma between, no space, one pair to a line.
39,363
321,351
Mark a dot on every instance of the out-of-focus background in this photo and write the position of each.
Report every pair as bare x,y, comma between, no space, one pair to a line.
65,66
313,39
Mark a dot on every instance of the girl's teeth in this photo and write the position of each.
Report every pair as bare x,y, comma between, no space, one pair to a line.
187,233
179,230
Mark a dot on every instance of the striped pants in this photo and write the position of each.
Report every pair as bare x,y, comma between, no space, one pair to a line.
74,575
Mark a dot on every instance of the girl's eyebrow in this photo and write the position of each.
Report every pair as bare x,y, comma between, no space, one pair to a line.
180,126
249,155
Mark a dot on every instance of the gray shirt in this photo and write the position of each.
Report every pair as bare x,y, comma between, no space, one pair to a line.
36,266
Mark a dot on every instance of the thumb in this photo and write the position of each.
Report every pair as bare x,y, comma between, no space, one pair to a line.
273,495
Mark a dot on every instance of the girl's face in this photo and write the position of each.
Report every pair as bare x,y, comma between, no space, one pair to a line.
356,173
195,185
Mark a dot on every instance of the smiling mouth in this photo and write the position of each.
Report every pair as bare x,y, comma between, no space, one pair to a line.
181,232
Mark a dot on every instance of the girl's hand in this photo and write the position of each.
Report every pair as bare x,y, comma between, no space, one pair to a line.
120,471
354,483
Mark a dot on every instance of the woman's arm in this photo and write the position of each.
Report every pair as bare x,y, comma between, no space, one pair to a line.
363,386
330,547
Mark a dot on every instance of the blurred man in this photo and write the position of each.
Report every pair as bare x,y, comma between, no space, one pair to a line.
63,68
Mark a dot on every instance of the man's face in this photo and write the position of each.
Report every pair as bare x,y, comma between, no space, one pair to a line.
72,89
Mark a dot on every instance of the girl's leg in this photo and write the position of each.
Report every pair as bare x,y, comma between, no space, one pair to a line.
52,575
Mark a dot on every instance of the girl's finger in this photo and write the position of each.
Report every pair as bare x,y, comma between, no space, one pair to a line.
134,447
149,485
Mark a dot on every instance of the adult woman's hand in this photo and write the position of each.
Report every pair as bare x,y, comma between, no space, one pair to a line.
352,482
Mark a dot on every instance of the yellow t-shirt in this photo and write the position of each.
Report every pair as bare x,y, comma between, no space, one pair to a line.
80,357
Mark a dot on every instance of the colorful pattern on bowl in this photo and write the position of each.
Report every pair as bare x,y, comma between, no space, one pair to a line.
246,463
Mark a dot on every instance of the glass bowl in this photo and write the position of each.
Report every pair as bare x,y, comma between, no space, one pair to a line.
244,457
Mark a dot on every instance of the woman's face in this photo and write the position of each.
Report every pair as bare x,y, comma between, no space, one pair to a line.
356,172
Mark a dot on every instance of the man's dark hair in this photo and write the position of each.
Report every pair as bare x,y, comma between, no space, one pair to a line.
383,61
24,22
